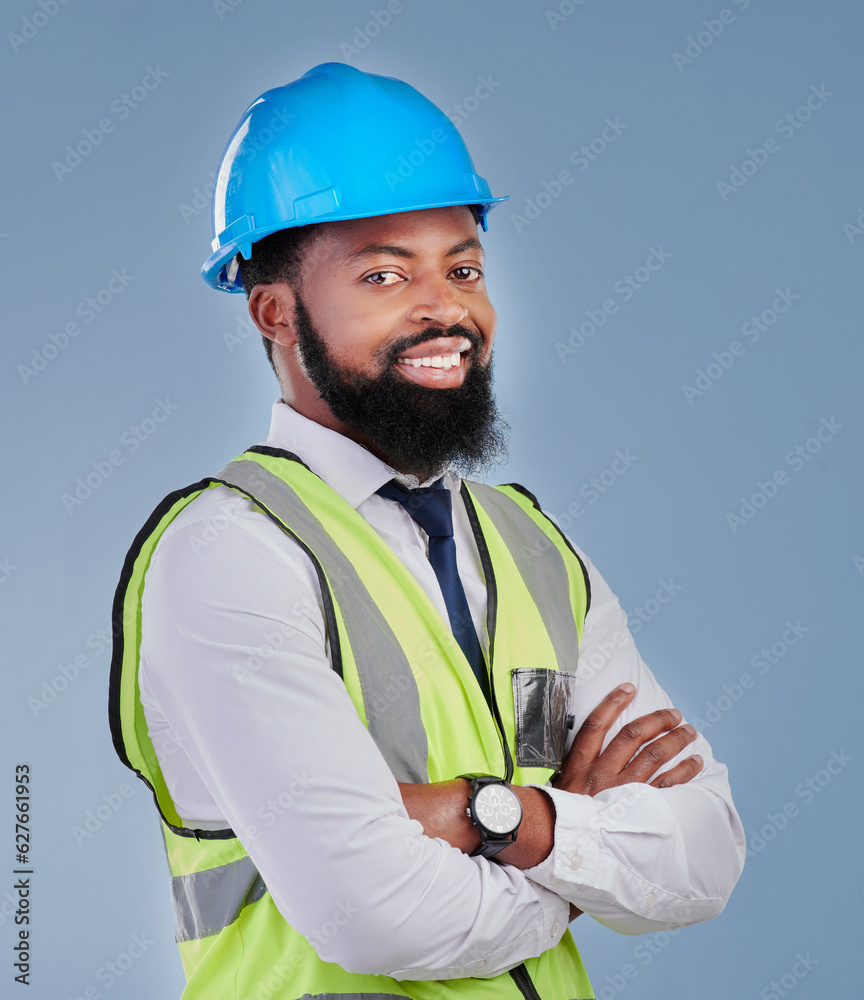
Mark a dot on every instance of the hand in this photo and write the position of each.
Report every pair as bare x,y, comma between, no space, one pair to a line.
588,771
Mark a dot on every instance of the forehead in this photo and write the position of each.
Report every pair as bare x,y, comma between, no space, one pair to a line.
430,232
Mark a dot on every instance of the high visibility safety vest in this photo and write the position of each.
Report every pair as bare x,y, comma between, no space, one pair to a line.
413,689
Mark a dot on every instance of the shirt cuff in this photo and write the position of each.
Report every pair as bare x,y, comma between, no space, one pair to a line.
575,853
581,867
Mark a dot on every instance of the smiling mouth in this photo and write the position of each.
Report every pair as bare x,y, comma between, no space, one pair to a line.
444,353
445,361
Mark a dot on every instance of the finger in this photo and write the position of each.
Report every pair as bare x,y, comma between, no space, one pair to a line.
681,773
637,733
659,752
589,740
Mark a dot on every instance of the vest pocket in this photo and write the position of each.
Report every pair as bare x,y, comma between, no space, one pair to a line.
544,703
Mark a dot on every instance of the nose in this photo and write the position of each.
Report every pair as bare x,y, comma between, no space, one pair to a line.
435,301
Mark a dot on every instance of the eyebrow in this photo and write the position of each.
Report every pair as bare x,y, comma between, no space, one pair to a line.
375,249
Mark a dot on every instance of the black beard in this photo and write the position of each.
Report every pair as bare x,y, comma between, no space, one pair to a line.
415,429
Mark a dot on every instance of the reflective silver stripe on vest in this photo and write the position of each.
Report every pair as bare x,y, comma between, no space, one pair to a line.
205,902
540,565
390,695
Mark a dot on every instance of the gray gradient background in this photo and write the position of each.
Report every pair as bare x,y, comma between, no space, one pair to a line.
801,557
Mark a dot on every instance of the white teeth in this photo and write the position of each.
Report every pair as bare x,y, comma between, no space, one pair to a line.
445,361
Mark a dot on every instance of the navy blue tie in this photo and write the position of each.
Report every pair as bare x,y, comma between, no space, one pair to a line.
431,508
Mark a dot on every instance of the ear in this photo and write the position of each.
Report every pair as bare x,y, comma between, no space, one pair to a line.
272,310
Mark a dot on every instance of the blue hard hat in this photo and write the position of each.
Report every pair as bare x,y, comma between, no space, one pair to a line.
335,144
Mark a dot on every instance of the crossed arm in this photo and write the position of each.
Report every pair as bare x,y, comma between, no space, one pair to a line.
272,746
635,754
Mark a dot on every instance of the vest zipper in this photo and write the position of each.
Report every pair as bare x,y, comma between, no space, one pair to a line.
523,982
491,619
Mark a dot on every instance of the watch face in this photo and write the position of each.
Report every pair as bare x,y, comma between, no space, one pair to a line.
498,808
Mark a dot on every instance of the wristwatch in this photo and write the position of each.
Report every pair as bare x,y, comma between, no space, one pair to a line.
496,811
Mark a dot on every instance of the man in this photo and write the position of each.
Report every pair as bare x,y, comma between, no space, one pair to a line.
395,726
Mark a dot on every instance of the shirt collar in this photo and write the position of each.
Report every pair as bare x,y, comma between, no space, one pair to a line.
346,466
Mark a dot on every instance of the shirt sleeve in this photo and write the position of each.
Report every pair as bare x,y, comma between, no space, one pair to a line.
234,657
634,857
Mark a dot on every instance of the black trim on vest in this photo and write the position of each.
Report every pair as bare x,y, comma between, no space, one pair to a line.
265,449
491,616
527,493
117,622
117,654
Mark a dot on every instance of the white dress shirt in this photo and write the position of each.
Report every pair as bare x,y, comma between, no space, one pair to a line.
254,730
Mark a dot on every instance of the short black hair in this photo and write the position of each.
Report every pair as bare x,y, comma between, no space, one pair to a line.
279,257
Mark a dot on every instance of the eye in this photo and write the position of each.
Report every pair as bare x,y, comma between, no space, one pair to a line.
466,273
376,278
